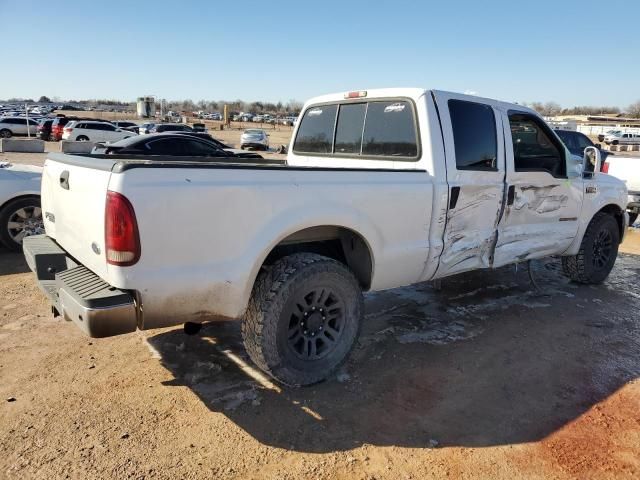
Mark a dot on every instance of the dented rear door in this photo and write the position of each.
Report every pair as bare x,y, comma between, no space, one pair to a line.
543,203
474,150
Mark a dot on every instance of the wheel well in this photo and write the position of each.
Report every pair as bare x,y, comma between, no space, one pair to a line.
616,212
339,243
19,197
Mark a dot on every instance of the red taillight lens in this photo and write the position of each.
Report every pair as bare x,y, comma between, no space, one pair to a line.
605,167
121,238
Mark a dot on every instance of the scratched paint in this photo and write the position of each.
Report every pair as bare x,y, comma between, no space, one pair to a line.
539,199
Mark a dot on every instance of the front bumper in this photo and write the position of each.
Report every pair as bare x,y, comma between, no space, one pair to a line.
77,293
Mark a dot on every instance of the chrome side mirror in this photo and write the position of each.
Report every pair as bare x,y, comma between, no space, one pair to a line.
591,157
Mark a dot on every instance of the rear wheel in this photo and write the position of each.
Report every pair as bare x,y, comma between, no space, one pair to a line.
82,138
303,318
4,133
18,219
598,251
615,142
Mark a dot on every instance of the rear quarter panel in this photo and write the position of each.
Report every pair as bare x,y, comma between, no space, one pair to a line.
206,232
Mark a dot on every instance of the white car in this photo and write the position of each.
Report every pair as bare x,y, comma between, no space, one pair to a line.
90,131
13,126
622,138
382,188
146,127
627,169
20,213
254,138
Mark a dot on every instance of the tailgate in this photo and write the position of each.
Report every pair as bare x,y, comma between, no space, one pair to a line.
73,203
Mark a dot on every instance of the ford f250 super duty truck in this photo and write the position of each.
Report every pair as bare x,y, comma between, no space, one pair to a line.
381,188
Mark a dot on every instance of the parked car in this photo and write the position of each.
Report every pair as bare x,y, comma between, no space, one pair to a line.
44,129
426,185
235,151
576,142
57,127
169,127
20,212
621,138
627,169
93,131
608,132
124,124
166,144
17,126
146,128
254,138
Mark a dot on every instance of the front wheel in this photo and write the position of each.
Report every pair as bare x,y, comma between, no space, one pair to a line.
303,318
598,251
4,133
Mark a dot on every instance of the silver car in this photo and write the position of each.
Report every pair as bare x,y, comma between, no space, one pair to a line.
254,138
12,126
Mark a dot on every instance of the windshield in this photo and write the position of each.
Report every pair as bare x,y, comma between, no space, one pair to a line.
253,132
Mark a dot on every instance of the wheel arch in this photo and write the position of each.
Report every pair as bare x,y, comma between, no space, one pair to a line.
616,212
339,242
18,197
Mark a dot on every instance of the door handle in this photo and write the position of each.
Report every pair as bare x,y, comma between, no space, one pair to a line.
453,199
64,179
511,194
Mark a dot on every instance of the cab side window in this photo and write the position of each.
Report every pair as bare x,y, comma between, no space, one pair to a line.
474,135
535,149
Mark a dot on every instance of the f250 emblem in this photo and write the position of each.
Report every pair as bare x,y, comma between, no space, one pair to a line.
591,189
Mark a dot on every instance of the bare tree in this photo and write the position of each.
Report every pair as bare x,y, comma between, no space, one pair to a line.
633,110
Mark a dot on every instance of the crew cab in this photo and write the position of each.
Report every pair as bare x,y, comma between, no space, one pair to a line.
382,188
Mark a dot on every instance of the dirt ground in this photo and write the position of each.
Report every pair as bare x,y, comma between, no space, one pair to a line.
485,378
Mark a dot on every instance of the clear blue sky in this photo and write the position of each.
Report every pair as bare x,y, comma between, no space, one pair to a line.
569,51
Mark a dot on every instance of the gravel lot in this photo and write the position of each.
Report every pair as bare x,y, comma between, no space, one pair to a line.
485,378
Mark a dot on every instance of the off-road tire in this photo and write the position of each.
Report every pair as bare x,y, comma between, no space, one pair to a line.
267,322
581,268
632,218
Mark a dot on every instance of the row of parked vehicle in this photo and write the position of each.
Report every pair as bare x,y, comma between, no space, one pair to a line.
264,118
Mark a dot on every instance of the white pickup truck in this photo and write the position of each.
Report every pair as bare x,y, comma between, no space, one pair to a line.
628,170
382,188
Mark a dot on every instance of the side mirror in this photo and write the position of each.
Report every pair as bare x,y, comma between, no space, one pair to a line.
591,157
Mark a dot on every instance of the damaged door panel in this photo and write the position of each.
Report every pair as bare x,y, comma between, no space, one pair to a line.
475,170
543,204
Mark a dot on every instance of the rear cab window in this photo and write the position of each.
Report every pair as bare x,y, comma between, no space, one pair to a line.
374,129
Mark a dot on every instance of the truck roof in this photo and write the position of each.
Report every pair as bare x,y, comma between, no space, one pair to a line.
413,93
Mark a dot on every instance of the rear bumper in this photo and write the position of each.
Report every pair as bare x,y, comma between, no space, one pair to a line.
77,293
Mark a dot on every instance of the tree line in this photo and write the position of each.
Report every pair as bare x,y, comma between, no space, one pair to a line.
551,109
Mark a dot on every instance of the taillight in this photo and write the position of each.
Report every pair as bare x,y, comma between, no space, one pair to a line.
605,167
121,238
68,129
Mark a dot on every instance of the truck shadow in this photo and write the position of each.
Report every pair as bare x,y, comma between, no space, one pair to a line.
486,361
12,262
